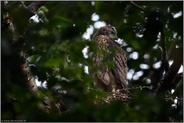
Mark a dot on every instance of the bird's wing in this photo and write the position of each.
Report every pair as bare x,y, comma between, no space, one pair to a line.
120,65
100,62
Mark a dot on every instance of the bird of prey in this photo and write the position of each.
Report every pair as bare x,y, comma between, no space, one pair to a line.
109,62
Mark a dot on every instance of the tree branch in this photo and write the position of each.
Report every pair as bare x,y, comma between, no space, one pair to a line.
167,81
34,6
17,68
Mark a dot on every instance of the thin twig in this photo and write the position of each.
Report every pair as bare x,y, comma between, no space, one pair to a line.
164,52
137,6
140,87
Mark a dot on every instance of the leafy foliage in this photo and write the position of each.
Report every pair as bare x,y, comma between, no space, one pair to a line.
53,43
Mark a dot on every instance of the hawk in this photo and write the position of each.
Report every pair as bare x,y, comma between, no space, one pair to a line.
109,62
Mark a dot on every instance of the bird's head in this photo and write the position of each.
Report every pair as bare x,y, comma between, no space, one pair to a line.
108,30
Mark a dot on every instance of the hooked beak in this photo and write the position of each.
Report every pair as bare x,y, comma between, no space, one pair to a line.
114,36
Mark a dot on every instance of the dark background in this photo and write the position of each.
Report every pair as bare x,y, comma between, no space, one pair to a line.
57,37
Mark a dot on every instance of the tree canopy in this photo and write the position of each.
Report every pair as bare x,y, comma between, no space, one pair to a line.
50,42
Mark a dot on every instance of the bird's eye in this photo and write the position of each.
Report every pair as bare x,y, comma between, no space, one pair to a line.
113,31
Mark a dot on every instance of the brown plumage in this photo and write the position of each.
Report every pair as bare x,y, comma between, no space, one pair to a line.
109,62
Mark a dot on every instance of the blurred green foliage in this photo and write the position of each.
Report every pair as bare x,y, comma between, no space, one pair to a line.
54,45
